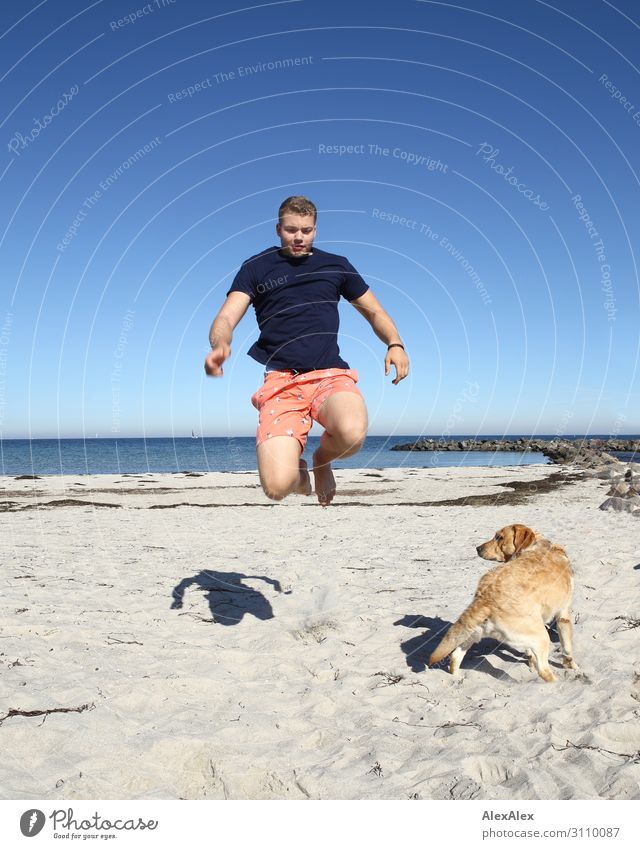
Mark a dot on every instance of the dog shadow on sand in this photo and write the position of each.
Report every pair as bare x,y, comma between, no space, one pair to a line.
228,597
418,649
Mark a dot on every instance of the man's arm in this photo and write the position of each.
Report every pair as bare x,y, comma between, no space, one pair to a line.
384,328
221,332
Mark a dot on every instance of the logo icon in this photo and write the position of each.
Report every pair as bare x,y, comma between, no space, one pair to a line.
32,822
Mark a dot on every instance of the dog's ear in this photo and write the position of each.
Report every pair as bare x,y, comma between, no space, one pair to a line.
523,537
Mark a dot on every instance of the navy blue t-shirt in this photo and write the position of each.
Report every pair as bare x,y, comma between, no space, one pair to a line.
296,304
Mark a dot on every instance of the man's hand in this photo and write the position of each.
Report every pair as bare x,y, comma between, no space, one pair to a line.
215,358
384,328
397,357
221,333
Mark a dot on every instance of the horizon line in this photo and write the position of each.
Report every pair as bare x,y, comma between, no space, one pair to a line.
437,437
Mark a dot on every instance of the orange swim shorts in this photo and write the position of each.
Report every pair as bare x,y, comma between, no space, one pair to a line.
288,402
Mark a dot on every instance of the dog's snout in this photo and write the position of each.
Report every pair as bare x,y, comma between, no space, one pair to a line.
479,549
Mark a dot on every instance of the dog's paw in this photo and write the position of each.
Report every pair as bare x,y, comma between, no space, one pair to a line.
569,663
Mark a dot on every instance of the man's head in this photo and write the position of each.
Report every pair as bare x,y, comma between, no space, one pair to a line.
296,225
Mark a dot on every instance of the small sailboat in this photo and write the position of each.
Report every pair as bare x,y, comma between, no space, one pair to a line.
194,435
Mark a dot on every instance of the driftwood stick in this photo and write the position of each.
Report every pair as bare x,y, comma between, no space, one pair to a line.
46,712
634,757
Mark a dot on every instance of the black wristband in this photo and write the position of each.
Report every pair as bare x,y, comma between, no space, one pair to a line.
395,345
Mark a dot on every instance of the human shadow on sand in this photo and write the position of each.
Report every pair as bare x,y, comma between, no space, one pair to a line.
419,648
228,597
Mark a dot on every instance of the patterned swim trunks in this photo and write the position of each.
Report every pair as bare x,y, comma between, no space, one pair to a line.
288,402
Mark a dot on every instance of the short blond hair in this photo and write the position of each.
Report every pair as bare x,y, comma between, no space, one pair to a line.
299,205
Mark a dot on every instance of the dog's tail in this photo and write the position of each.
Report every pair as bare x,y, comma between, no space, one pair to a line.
476,614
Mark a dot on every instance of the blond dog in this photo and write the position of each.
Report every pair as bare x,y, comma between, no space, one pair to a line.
513,601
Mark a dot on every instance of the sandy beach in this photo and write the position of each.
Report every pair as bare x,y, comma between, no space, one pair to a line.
188,639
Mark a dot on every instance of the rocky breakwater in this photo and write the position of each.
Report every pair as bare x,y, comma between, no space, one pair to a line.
582,453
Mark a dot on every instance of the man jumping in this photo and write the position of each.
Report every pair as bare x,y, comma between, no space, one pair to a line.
295,291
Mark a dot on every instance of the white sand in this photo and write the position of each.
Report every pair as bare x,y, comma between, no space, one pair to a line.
315,688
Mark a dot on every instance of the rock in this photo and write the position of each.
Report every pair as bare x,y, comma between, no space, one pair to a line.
609,458
604,474
622,505
619,489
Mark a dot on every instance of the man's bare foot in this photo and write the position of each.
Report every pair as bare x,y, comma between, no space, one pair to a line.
304,486
325,483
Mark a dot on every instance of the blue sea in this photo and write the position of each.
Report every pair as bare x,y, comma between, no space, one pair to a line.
220,454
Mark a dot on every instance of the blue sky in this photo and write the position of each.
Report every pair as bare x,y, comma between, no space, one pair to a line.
477,163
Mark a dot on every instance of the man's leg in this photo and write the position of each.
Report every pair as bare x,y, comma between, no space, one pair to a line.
282,471
344,417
